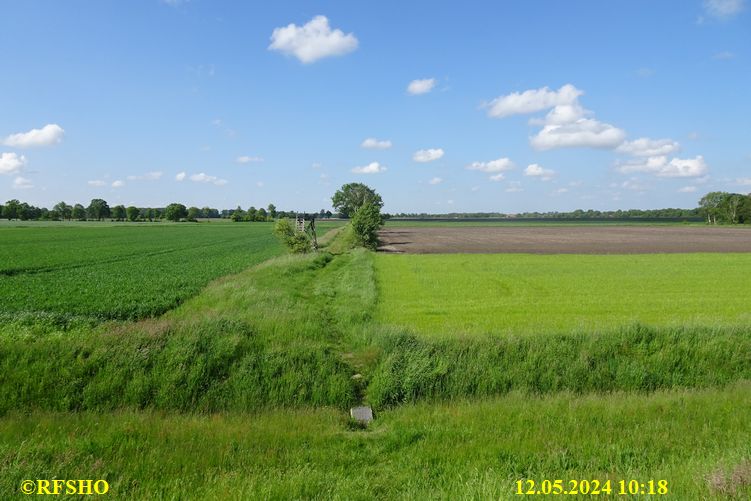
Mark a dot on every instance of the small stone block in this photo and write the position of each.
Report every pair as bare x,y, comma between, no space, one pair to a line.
361,414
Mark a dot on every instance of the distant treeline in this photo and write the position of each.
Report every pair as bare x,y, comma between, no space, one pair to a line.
716,207
99,210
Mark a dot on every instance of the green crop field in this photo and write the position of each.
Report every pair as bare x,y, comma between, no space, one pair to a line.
121,271
518,293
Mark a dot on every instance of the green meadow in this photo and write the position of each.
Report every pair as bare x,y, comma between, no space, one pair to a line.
242,388
527,294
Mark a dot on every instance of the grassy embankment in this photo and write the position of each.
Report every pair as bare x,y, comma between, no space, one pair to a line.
292,331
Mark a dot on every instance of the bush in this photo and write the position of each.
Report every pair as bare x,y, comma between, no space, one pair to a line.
297,242
365,224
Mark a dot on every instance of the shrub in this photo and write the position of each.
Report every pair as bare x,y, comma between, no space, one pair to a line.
297,242
365,223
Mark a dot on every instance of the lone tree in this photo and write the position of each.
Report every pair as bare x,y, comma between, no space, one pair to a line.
352,196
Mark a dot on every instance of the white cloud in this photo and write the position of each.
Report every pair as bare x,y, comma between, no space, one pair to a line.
645,147
531,101
744,181
560,191
687,189
205,178
634,184
11,163
22,183
372,143
48,135
149,176
566,125
661,167
536,170
435,180
428,155
312,41
584,132
259,184
180,176
497,165
723,9
422,86
245,159
497,177
118,184
371,168
96,182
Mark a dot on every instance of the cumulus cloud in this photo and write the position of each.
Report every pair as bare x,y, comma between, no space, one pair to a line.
435,180
371,168
428,155
118,184
11,163
48,135
645,147
205,178
497,177
312,41
687,189
536,170
22,183
498,165
566,125
96,183
584,132
372,143
723,9
180,176
661,167
422,86
149,176
531,101
245,159
634,184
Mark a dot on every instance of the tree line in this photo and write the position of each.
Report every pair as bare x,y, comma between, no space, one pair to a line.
99,210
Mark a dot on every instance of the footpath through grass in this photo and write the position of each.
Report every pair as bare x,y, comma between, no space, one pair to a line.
533,294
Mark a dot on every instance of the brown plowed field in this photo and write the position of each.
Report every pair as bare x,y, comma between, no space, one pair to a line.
566,239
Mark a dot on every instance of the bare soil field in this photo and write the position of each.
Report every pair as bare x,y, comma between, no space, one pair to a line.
566,239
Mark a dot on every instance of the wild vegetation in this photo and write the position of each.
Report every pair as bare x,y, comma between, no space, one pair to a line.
242,389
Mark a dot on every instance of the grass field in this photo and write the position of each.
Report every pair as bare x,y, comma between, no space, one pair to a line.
242,390
453,294
697,441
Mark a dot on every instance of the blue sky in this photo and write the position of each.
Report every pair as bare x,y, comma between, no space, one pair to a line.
475,106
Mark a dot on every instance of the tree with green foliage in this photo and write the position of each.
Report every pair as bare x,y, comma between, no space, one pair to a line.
63,210
709,206
365,224
11,209
78,212
118,212
731,206
193,214
132,213
272,211
98,209
238,214
352,196
296,241
175,212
